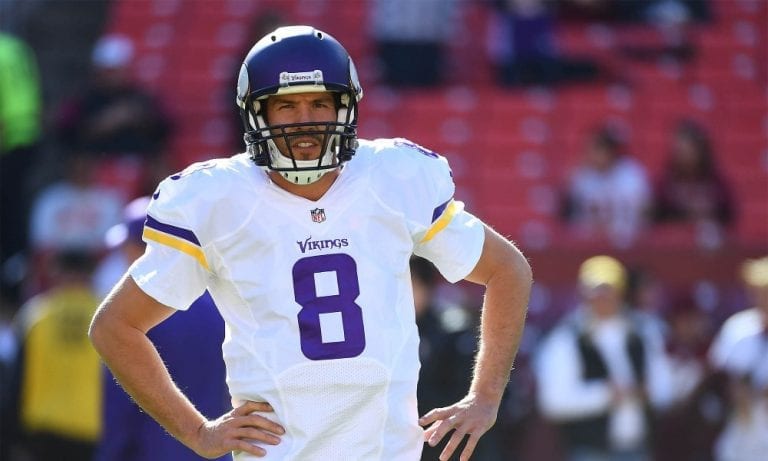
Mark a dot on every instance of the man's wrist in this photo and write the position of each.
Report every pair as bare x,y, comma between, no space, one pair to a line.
486,394
193,434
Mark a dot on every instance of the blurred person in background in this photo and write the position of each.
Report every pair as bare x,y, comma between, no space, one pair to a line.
412,40
647,295
608,195
691,188
59,372
184,343
602,372
740,351
688,428
671,22
124,245
674,24
119,123
522,44
658,12
20,129
72,212
447,340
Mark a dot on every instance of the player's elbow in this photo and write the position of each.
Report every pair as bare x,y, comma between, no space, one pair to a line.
521,267
98,330
513,268
105,329
501,263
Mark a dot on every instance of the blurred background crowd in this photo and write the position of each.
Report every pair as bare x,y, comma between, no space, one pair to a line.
623,144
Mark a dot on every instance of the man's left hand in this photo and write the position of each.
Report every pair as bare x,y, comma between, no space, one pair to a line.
472,416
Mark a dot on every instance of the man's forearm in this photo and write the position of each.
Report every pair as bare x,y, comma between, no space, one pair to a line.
137,366
502,323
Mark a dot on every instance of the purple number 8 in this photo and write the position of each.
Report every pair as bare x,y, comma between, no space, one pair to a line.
312,306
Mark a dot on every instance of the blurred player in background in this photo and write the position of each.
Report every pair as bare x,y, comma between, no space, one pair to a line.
59,383
305,251
184,343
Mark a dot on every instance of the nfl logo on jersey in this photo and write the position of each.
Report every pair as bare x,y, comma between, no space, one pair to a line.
318,214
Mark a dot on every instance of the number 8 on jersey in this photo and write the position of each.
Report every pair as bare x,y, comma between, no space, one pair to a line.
315,307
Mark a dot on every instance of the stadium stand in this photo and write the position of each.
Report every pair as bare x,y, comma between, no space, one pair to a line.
509,147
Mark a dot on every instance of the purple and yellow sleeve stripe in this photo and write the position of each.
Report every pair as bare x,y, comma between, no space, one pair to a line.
177,238
441,217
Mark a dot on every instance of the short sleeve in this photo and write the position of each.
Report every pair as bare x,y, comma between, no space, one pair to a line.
454,244
442,230
174,269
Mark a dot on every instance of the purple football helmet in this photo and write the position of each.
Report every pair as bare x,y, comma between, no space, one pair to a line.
298,59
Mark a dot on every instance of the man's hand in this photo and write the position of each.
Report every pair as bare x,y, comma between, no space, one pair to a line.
236,431
472,416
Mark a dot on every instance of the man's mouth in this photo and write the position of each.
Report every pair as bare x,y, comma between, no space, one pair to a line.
305,142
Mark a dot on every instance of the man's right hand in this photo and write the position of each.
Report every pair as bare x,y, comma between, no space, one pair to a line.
238,430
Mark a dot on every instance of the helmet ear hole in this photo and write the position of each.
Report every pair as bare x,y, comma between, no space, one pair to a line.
338,101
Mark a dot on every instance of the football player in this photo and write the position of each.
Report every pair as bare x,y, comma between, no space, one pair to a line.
304,243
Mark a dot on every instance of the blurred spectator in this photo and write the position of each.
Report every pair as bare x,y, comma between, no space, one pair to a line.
747,322
672,21
447,352
692,189
662,11
21,104
740,350
608,195
646,294
60,392
412,39
117,121
72,212
687,430
622,11
602,372
690,334
184,341
522,44
123,240
20,117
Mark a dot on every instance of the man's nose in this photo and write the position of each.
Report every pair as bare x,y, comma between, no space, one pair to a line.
305,114
302,113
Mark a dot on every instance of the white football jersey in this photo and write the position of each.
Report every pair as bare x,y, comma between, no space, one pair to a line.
316,295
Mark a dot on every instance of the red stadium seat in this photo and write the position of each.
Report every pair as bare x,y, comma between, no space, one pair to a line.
518,140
